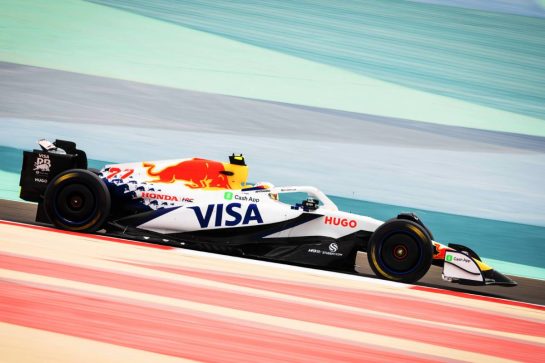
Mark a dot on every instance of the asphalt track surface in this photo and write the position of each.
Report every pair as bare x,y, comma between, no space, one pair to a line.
528,290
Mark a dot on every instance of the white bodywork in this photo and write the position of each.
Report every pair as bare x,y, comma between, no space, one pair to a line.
209,209
459,265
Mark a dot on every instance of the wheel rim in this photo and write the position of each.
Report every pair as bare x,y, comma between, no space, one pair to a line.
400,253
76,201
75,204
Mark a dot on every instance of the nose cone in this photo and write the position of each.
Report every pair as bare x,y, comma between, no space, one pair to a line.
493,277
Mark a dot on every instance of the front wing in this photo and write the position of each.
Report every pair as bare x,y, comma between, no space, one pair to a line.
464,269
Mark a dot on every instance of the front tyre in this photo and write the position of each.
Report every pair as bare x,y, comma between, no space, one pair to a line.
400,250
77,200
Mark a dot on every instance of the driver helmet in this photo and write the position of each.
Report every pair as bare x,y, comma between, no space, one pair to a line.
266,185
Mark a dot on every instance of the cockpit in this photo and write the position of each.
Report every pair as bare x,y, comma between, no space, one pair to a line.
303,197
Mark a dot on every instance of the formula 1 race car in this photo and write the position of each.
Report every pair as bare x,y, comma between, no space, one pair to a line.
208,205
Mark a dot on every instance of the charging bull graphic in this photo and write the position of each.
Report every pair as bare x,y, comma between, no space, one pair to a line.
201,174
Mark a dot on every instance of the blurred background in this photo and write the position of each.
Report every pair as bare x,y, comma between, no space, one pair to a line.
436,107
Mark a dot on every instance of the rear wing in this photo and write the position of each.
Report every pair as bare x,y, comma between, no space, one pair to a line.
41,166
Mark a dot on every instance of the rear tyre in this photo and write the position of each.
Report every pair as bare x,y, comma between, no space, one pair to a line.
400,250
77,200
94,171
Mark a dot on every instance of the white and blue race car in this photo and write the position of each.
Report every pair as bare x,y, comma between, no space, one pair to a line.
207,205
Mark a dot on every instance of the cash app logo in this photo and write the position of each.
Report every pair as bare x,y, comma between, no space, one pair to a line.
449,258
228,196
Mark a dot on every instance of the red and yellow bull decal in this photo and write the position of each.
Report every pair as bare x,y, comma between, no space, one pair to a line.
440,250
200,174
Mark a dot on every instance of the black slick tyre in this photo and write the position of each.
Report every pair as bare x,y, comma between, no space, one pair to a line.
94,171
413,217
400,250
77,200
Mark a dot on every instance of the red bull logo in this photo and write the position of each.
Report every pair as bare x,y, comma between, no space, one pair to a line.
200,174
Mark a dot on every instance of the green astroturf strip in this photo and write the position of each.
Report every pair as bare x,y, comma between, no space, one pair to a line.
93,39
9,185
516,269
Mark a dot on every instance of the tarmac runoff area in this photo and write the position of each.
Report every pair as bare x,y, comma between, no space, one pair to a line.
75,297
